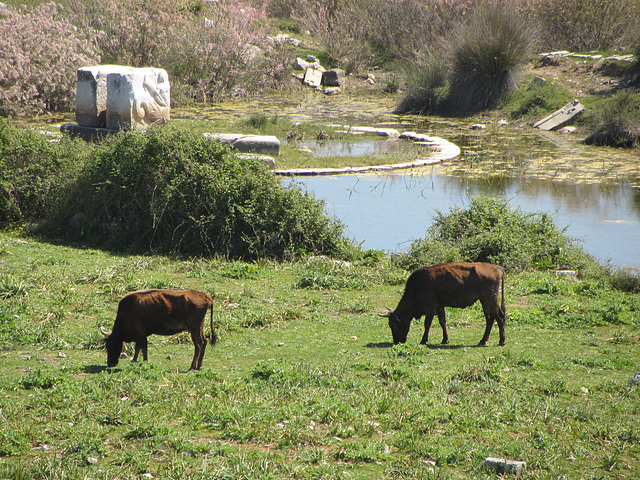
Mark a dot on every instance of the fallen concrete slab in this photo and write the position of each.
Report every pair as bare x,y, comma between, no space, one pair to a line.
560,118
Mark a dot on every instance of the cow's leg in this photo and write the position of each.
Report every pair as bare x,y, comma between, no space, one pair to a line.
199,344
489,315
141,345
443,323
428,318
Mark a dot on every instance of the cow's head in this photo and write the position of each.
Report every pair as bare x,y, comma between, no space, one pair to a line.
113,346
399,327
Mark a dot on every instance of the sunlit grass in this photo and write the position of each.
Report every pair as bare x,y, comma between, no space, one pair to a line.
304,381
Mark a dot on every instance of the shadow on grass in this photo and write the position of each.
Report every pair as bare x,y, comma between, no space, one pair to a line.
99,369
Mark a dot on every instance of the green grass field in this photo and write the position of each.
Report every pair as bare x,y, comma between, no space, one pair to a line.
304,381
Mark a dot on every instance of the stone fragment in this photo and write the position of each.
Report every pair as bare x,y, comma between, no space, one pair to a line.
537,82
501,466
560,118
138,98
312,78
333,78
264,144
91,94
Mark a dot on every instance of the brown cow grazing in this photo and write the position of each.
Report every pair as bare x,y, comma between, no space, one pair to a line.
430,289
159,312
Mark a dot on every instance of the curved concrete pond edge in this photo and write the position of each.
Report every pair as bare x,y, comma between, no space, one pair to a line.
443,151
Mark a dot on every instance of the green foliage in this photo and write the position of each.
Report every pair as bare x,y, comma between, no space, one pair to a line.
625,280
617,121
34,171
177,192
492,231
485,56
537,101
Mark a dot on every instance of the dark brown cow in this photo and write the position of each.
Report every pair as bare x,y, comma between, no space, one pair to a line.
159,312
430,289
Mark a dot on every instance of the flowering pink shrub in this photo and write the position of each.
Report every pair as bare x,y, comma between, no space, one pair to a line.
40,52
225,52
209,49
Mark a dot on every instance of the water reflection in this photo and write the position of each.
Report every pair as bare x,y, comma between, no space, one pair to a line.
387,212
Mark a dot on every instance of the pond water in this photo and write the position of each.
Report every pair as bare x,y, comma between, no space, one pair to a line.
593,192
386,212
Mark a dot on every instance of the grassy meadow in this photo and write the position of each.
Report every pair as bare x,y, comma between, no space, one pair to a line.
304,381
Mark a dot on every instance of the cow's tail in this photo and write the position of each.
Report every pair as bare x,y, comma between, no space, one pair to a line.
504,310
214,337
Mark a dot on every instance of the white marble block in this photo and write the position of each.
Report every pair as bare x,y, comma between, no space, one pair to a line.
91,94
138,98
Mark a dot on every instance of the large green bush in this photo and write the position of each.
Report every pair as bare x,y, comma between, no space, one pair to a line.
34,171
173,191
490,230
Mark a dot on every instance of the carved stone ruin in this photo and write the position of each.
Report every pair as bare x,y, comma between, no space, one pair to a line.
110,98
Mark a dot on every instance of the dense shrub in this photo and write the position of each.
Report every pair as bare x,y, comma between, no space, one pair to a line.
617,121
33,172
485,56
171,191
492,231
40,52
586,25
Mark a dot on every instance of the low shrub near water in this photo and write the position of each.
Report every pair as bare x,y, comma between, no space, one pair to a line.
34,172
166,191
490,230
172,191
617,121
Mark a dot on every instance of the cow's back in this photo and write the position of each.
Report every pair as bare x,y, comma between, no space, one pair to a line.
154,311
454,284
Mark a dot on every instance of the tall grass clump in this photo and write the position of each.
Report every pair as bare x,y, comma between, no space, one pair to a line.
490,230
617,121
426,87
485,56
172,191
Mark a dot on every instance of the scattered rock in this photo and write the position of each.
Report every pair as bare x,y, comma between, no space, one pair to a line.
635,381
567,130
537,82
478,126
312,77
332,91
333,78
263,144
502,466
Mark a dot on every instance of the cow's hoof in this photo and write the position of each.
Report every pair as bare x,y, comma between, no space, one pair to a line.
482,344
501,344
